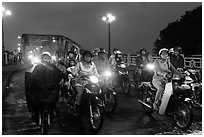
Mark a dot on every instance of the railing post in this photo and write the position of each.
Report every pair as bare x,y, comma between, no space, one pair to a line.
128,59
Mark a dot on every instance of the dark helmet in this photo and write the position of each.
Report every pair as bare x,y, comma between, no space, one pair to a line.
178,48
96,50
143,49
102,50
87,52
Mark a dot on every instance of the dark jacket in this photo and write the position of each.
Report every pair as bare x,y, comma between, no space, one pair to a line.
177,61
141,61
44,83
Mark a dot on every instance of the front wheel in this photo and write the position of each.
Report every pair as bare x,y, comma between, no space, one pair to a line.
183,115
126,86
110,102
95,118
44,126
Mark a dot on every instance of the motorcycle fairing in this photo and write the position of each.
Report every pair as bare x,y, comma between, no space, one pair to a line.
168,91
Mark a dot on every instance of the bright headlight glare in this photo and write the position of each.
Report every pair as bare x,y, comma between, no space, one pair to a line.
30,56
107,73
122,65
53,57
150,66
35,60
94,79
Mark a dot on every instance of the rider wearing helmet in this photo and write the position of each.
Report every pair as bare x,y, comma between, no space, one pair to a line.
83,68
44,83
116,59
176,59
101,62
163,70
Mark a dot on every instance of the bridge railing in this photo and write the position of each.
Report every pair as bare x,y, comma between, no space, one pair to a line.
190,62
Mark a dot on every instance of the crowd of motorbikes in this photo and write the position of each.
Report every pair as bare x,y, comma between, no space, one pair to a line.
100,95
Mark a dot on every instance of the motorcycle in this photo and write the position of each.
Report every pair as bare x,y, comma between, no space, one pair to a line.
122,79
89,102
175,102
192,79
43,113
108,96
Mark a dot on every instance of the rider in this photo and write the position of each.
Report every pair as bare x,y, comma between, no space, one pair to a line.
83,68
141,62
70,56
176,59
44,83
101,62
163,70
116,59
112,57
142,59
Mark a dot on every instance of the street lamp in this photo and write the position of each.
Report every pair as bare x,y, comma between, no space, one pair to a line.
4,13
108,19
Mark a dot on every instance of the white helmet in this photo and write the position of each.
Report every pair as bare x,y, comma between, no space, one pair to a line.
171,50
163,49
46,53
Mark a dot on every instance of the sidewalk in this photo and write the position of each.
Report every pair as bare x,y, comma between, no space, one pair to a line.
8,72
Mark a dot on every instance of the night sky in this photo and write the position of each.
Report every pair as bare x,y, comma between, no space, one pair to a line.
137,25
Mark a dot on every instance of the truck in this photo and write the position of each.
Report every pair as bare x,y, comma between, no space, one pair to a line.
33,45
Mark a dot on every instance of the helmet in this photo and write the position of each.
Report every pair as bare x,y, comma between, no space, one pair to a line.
142,49
118,52
87,52
101,50
114,50
178,48
163,49
96,50
46,53
171,50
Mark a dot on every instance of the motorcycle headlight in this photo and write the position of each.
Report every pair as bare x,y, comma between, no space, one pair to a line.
94,79
53,57
35,60
107,74
30,56
122,66
150,66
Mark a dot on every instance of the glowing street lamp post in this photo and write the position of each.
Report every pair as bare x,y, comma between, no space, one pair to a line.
4,13
108,19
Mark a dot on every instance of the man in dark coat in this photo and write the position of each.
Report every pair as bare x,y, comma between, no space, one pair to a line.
176,59
44,84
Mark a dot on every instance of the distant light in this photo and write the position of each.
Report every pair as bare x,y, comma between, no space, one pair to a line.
41,46
109,15
53,40
37,48
19,44
2,8
8,12
104,18
31,52
19,37
19,49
